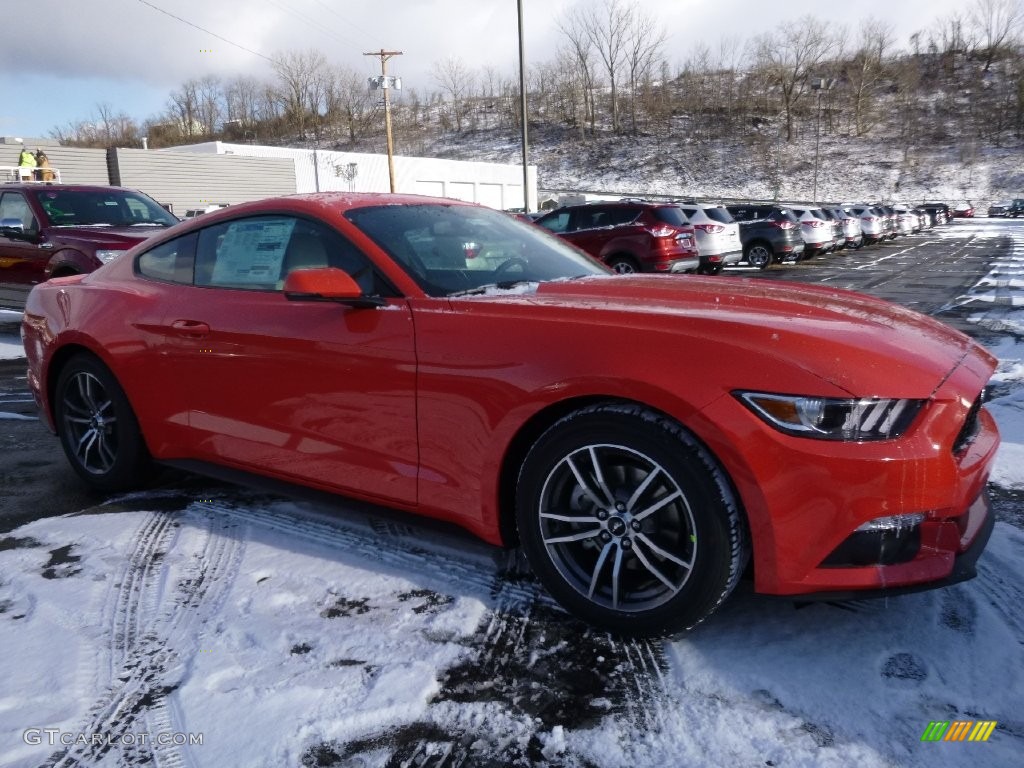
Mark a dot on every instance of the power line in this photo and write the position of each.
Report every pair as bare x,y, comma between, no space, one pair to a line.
202,29
310,21
347,21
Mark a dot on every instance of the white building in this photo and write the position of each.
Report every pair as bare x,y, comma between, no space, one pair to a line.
491,184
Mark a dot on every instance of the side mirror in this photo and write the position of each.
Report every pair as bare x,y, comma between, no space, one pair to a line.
327,284
12,226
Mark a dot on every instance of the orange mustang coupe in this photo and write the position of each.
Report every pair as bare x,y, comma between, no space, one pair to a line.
643,438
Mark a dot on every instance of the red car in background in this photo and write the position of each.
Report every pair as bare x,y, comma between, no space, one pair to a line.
629,236
963,211
641,437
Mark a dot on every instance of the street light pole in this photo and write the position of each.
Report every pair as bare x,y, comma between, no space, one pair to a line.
386,84
523,112
818,85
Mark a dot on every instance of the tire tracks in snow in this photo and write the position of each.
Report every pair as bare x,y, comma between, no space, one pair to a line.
532,667
154,612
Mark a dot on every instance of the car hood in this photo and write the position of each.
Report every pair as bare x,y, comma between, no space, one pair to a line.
864,346
115,237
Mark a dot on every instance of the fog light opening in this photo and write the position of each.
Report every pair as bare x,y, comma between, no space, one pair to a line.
883,541
893,522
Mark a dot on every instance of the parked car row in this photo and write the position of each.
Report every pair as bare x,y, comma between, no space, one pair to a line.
633,235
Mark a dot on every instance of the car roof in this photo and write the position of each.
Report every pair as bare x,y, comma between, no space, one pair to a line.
7,186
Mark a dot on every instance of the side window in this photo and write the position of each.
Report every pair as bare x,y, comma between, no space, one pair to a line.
589,218
258,253
621,215
558,222
13,205
170,262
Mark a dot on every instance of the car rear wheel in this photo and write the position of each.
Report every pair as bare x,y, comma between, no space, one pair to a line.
629,522
97,427
624,265
759,255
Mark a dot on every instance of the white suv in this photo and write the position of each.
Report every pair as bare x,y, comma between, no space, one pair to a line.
816,229
717,233
872,221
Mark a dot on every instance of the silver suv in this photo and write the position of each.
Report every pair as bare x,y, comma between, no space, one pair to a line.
717,233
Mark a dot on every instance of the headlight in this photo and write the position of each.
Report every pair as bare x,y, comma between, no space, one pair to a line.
106,256
834,419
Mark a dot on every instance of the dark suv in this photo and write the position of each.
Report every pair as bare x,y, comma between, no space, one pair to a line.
1016,208
768,233
51,230
629,236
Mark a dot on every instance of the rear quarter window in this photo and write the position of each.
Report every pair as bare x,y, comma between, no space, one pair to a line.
169,262
671,214
721,215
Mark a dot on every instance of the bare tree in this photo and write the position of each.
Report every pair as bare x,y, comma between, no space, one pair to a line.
608,28
242,96
580,52
643,46
209,103
457,82
996,23
350,104
790,56
183,108
105,128
866,71
300,74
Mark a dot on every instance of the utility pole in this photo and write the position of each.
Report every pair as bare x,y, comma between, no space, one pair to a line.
523,112
386,83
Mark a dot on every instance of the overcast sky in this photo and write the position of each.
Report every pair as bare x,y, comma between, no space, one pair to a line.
60,58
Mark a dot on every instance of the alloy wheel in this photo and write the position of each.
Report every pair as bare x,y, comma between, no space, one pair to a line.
617,527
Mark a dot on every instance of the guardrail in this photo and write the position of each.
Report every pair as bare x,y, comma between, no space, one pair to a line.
28,174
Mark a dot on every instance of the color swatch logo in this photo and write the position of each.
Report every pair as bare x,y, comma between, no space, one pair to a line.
958,730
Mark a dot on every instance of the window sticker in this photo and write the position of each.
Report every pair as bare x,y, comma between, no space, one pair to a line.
251,252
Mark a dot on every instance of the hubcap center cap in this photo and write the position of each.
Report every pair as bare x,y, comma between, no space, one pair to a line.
616,526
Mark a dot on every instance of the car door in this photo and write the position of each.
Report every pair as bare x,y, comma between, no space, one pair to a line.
22,259
307,391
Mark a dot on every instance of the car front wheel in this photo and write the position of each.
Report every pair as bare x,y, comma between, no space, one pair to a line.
629,522
759,256
97,426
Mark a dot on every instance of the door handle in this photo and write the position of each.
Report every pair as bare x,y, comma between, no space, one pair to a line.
190,329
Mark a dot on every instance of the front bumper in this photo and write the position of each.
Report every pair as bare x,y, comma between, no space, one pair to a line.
964,564
806,498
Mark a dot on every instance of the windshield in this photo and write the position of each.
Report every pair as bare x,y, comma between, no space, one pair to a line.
450,249
108,207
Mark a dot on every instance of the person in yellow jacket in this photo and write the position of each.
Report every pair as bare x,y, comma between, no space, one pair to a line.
26,164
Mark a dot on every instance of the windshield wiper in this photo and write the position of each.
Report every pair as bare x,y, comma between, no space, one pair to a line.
149,224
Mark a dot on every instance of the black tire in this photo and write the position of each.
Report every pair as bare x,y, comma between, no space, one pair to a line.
577,502
623,265
710,269
759,255
97,427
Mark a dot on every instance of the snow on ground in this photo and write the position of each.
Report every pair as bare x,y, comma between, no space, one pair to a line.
10,341
287,634
283,639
